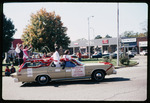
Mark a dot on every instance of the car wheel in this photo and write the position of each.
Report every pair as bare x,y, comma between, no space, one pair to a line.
43,79
98,75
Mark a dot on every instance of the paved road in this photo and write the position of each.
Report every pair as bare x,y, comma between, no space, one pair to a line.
129,84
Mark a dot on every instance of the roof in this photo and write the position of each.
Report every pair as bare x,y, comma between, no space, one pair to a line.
96,42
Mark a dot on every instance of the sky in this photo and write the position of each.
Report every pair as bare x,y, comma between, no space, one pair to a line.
132,17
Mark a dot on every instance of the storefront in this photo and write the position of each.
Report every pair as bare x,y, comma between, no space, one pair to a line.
97,45
142,46
141,43
129,44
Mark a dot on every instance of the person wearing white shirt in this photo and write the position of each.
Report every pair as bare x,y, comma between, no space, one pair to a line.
56,58
67,59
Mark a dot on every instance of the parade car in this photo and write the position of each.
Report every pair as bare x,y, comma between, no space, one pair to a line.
44,71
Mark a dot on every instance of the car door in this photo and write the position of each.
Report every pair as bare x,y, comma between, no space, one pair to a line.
56,72
74,72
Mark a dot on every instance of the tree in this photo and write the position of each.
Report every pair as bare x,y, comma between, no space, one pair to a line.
45,29
132,34
80,39
144,27
8,32
98,37
128,34
107,36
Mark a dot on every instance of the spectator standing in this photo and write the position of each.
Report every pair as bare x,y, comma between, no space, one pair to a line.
12,70
79,55
7,71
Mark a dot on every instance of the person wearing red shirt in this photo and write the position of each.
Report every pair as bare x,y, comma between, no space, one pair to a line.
12,70
7,71
79,55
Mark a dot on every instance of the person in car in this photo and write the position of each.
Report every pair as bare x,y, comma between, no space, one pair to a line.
67,59
26,56
19,50
56,57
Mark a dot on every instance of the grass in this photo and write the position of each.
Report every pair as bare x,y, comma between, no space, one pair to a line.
113,61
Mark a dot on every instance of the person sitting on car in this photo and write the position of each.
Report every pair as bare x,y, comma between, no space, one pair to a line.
67,59
56,57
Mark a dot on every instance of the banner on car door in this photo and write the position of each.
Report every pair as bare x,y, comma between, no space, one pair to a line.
78,71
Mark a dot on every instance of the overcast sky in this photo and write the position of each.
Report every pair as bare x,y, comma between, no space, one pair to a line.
132,17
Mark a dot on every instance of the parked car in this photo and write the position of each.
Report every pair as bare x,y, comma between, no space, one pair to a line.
144,52
131,53
99,55
44,71
114,55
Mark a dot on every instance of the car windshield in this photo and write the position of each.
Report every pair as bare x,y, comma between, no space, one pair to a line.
80,63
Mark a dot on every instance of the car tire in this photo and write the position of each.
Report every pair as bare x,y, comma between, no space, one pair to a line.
98,75
43,79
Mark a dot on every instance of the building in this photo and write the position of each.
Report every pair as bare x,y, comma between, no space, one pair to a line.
109,44
141,43
101,45
130,44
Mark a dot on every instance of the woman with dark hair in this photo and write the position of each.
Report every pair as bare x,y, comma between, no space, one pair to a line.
67,59
25,54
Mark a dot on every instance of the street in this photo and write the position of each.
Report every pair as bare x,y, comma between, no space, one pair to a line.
129,84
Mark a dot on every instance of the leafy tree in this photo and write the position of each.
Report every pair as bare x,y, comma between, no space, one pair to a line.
142,34
80,39
98,37
128,34
107,36
45,29
8,32
132,34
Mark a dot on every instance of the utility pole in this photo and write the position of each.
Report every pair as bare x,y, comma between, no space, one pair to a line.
89,33
118,34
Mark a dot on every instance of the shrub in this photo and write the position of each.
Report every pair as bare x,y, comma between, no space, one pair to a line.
106,59
124,60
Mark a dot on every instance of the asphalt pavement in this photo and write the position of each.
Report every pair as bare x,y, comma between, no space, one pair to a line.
129,84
